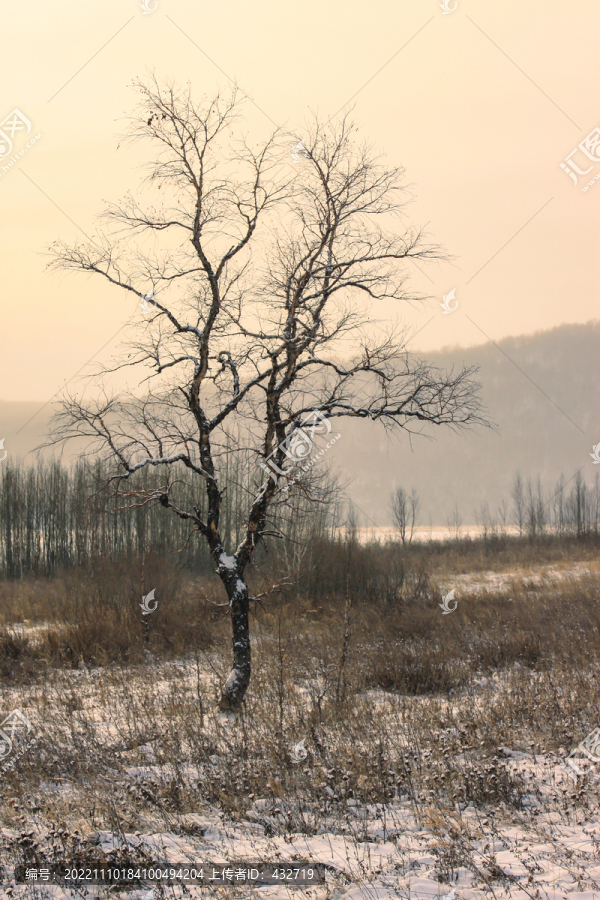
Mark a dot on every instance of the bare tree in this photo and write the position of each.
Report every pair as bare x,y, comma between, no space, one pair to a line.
415,507
399,508
540,512
454,521
578,506
503,515
405,512
262,294
518,498
559,505
531,509
486,521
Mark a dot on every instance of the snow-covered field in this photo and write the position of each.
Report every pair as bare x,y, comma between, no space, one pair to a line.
409,847
547,578
374,532
452,796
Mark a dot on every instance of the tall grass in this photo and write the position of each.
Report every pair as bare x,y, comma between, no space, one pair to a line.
376,607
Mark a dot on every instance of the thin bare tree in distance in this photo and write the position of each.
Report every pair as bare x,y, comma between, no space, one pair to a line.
264,291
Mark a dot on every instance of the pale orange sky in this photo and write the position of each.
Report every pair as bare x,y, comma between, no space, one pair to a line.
479,105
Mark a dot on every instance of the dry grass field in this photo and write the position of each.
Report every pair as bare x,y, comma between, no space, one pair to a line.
414,753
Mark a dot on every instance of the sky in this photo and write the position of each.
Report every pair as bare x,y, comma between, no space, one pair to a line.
480,103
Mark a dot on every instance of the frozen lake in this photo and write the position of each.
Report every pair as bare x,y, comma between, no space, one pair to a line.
424,533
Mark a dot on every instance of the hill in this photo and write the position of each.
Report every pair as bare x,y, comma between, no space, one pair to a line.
542,391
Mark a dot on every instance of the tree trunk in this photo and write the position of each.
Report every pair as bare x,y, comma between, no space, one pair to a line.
234,689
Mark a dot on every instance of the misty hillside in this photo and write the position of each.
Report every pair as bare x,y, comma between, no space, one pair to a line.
532,434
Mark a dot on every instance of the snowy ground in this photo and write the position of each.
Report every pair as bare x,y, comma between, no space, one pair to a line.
395,855
423,533
405,849
532,579
125,756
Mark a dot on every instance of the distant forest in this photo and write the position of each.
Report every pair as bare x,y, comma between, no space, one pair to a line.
53,517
